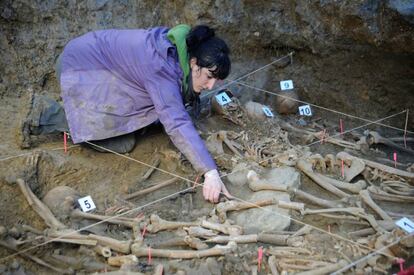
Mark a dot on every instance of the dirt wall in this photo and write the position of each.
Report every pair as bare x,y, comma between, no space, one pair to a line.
354,56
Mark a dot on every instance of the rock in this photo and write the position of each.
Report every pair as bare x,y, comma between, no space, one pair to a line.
273,218
283,175
256,220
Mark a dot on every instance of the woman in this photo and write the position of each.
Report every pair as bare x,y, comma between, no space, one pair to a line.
115,82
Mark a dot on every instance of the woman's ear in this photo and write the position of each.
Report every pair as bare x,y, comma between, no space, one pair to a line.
193,62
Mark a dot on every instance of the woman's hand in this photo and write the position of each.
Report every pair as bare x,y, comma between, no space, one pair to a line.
213,186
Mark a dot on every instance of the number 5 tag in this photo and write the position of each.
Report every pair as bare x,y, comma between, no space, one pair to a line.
86,203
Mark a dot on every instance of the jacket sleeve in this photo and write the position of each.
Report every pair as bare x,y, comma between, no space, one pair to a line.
166,97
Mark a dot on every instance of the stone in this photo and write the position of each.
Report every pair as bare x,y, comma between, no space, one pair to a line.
266,219
283,175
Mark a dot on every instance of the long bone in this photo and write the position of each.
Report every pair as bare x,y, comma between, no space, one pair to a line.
256,184
192,242
364,194
375,138
34,258
200,232
326,269
127,222
306,168
318,201
261,237
151,189
121,260
157,224
224,228
224,207
273,265
356,211
217,250
39,207
120,246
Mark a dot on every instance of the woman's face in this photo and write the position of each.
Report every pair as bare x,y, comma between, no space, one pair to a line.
202,77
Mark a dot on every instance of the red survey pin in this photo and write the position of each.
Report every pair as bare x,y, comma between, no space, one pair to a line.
401,262
259,258
144,230
395,159
149,255
65,142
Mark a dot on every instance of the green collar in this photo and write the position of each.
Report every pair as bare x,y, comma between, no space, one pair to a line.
177,37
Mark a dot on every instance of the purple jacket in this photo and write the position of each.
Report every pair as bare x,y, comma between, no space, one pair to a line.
115,82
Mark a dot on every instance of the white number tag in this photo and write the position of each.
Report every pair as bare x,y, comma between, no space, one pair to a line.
406,224
267,111
86,203
286,85
223,99
305,110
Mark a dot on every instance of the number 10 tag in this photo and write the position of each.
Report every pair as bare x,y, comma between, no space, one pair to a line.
86,203
223,98
305,110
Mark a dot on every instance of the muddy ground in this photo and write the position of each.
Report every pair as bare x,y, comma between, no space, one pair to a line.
107,178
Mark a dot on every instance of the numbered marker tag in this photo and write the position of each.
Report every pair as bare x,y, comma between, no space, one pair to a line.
267,111
86,203
286,85
223,99
406,224
305,110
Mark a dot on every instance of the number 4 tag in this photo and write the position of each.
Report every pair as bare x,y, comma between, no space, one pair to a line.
223,98
86,203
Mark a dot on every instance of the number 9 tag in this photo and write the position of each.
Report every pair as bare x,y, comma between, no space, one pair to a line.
86,203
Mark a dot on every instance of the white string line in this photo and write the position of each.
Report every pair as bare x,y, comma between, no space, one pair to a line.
155,201
324,108
244,76
372,254
31,152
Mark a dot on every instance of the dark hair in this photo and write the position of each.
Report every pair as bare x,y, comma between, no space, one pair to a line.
209,50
